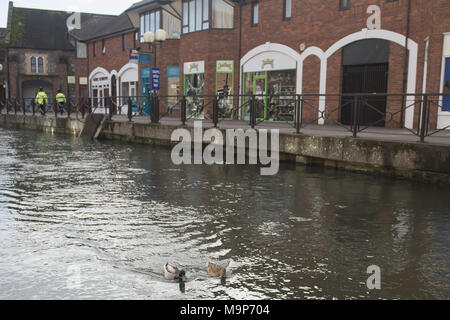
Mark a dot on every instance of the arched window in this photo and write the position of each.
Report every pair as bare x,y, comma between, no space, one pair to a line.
40,65
33,64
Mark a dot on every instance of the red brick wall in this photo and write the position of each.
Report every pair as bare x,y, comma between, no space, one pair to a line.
315,23
321,24
114,58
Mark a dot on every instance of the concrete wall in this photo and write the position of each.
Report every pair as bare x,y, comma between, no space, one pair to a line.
415,161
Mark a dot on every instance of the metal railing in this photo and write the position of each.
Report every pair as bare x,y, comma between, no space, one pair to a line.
355,113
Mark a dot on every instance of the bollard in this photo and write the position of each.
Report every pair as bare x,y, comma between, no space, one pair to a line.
154,108
15,106
253,112
130,110
23,106
110,109
183,110
423,125
216,111
298,114
33,107
355,117
55,109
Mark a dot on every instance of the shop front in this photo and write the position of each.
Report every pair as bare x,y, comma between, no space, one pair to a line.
271,78
194,89
173,87
128,79
100,88
224,87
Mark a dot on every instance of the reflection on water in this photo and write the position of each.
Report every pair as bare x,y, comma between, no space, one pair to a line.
99,220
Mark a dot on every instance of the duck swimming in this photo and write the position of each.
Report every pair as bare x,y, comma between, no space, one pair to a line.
172,272
215,270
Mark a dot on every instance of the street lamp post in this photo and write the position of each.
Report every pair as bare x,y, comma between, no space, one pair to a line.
152,39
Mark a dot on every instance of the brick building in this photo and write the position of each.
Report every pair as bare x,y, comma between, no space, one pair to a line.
274,47
305,47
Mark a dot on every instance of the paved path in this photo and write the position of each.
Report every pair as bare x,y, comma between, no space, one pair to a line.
374,133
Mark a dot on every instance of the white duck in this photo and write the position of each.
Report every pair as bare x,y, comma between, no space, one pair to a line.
172,272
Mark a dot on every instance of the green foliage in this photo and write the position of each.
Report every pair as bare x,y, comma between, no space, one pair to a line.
16,28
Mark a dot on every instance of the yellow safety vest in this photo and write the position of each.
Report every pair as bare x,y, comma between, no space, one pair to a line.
41,98
61,98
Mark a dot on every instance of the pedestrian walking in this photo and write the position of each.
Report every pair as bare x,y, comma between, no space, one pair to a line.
61,100
41,100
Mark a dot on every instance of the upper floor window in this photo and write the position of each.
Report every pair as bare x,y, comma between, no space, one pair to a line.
150,21
103,47
123,42
40,65
255,13
93,49
33,64
81,50
344,4
37,64
287,9
195,15
222,14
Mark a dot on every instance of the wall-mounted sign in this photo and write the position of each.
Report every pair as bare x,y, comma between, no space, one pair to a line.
83,80
194,67
134,56
71,79
225,66
145,58
374,21
269,61
156,79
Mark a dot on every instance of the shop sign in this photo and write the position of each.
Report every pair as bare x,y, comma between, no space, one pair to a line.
83,80
71,79
156,79
225,66
194,67
145,58
134,56
270,61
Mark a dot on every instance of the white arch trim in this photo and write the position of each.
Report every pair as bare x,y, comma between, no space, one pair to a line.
362,35
324,55
272,47
127,67
99,70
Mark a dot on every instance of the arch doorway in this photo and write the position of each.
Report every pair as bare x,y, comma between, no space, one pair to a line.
365,66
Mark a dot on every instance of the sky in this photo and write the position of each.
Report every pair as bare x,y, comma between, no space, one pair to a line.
92,6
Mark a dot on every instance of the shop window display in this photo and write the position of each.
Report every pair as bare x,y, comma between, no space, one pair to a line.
224,88
277,94
194,85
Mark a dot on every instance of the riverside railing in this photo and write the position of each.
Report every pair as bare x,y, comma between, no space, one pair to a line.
355,113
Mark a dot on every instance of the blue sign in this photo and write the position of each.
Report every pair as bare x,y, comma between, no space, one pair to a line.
156,79
145,58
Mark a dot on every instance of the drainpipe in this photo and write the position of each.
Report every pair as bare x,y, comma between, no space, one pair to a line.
405,64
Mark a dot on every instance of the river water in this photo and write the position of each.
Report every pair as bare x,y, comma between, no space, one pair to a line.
98,220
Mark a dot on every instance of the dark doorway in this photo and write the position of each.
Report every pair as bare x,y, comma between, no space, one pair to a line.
365,70
365,79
